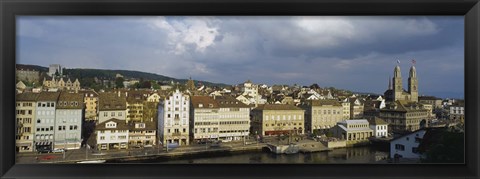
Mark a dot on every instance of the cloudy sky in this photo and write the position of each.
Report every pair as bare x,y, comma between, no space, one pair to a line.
355,53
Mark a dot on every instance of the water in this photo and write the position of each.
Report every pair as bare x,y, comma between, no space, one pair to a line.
344,155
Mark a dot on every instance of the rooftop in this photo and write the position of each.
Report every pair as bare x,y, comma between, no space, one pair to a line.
27,96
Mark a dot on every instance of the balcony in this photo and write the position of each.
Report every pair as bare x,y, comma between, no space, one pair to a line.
176,134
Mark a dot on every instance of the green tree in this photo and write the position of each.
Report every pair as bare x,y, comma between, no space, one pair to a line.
119,82
449,149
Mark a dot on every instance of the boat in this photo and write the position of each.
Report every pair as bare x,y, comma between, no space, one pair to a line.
93,161
292,149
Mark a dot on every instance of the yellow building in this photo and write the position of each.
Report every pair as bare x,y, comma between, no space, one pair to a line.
90,99
61,84
404,116
274,119
25,117
322,114
353,131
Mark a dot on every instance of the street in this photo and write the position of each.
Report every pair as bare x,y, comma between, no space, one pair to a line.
81,154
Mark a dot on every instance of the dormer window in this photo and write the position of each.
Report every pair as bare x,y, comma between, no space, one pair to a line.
210,105
200,105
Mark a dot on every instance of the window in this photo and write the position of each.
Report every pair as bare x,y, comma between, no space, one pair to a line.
102,137
414,150
400,147
408,138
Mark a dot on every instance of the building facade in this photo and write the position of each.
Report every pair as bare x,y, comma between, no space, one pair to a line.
275,119
322,114
111,105
25,119
45,120
407,145
234,118
142,134
379,127
91,105
204,118
173,118
61,84
403,116
68,121
112,134
353,131
29,75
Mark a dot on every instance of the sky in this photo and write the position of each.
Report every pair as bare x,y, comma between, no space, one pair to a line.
357,53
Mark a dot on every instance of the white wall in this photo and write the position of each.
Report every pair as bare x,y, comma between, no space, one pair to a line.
408,142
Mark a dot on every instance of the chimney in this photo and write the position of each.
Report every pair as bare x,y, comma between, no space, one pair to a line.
118,93
126,93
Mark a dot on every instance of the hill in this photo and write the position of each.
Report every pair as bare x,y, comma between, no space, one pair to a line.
86,76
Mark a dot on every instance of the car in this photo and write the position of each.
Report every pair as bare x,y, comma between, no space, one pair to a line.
43,150
58,151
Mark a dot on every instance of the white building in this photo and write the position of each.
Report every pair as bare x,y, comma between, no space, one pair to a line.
379,127
55,68
112,134
68,121
45,119
204,118
173,116
407,145
234,118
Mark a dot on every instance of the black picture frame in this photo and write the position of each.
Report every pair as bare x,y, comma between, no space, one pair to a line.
470,9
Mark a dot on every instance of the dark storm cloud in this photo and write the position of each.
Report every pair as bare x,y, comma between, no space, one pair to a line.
356,53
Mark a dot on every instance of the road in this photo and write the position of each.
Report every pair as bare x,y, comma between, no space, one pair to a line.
82,154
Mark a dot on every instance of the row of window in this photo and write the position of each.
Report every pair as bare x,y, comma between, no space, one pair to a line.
46,104
284,117
176,130
24,104
233,122
19,137
205,130
44,136
64,103
44,128
24,112
45,121
234,131
114,137
326,111
24,129
24,120
112,131
283,124
112,114
358,125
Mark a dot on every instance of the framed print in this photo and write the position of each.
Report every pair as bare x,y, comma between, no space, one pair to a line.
218,89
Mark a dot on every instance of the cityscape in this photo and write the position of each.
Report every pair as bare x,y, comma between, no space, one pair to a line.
267,111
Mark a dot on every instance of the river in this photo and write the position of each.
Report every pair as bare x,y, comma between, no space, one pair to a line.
365,154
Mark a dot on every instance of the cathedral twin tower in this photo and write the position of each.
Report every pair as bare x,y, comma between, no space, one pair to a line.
396,91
